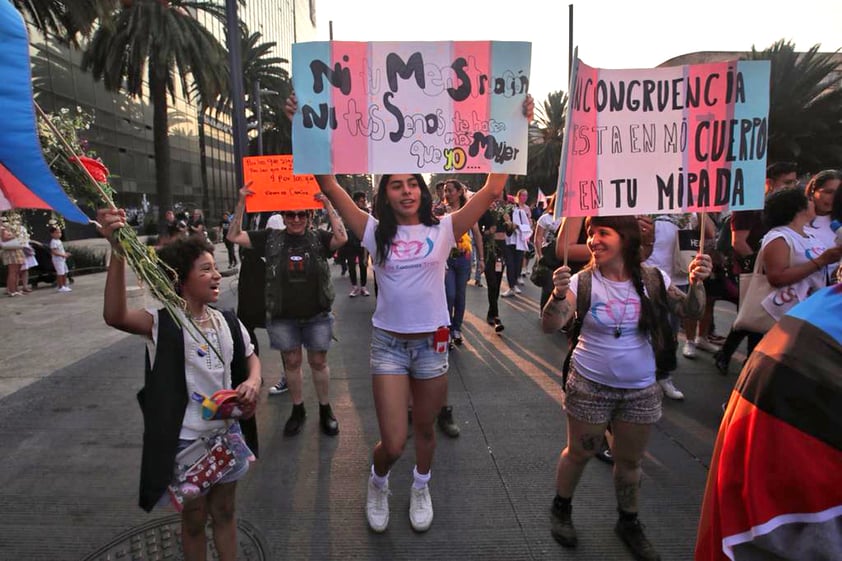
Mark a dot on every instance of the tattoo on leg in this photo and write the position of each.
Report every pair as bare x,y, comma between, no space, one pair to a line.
590,442
626,494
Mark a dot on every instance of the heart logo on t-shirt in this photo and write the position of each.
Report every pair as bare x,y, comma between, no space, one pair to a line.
616,311
402,250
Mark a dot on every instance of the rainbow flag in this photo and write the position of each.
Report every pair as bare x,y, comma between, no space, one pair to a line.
774,490
410,107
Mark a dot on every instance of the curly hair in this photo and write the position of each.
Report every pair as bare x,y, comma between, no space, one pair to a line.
782,206
387,226
181,254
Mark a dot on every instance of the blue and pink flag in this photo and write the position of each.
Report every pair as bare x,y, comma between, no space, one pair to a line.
676,139
410,107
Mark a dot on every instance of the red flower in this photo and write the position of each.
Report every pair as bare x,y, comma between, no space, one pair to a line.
96,168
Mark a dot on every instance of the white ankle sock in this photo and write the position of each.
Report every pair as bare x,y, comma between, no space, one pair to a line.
420,480
379,481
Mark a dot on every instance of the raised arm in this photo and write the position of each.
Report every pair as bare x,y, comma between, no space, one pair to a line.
575,251
115,309
235,229
353,216
340,236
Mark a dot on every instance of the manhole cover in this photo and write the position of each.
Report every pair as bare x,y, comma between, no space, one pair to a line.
161,539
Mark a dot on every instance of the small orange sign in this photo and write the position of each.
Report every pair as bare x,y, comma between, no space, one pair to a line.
275,187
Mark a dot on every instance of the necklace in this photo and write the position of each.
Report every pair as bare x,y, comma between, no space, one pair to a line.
204,317
618,326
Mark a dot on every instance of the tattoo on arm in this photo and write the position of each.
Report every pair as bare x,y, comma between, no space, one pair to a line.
687,306
558,310
236,225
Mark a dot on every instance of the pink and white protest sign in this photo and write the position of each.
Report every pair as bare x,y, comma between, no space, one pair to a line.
410,107
665,140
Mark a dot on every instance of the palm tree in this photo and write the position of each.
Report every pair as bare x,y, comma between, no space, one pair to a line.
159,41
805,106
64,19
261,68
545,141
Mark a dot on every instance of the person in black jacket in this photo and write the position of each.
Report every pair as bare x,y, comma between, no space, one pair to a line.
180,363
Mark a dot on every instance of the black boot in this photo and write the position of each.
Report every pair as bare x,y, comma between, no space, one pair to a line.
295,421
330,426
561,523
630,530
446,423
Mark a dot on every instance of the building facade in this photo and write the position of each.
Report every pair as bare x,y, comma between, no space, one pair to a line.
121,134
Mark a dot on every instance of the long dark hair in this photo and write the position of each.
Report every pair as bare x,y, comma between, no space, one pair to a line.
387,225
629,231
461,186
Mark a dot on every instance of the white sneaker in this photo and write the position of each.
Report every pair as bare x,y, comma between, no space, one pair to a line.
354,292
689,349
377,506
670,390
420,509
507,294
521,281
65,289
364,291
705,345
518,290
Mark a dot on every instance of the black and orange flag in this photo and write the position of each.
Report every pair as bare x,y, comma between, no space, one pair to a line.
774,490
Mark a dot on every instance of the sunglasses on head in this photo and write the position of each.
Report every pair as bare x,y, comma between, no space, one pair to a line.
301,214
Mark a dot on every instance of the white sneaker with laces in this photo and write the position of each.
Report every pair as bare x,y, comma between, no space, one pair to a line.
507,294
63,289
420,509
705,345
354,292
377,506
670,390
518,290
689,350
364,291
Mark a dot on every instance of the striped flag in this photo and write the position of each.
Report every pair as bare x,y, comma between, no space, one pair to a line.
774,490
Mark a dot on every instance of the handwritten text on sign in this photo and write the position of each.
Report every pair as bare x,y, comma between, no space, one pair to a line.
666,140
410,107
275,187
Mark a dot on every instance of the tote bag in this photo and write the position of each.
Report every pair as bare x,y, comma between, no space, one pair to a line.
754,289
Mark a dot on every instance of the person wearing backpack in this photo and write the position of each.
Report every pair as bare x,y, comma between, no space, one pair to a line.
622,337
299,296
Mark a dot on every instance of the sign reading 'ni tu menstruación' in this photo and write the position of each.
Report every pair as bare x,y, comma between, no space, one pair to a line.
407,107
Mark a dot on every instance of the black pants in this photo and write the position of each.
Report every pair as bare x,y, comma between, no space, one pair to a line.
232,255
356,255
735,337
493,278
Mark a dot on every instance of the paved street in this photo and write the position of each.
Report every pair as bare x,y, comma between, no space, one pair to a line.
71,433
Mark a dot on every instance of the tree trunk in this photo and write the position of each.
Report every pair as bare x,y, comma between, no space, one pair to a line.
160,140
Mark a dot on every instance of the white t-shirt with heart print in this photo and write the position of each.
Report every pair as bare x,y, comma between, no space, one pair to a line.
627,361
410,284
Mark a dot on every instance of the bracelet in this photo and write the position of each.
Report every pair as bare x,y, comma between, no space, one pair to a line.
554,297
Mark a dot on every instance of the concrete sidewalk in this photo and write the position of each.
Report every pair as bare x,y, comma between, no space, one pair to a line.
71,449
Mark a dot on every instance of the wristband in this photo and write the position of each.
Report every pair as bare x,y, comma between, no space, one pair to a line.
554,297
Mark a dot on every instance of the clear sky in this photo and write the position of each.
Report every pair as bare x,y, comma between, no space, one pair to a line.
609,33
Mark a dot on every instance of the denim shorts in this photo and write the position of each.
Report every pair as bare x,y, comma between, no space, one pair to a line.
416,358
598,404
313,333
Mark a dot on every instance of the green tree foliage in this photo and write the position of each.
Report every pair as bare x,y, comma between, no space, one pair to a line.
66,20
144,48
546,136
805,109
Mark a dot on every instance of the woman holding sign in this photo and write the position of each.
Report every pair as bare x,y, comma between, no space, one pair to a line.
623,331
409,342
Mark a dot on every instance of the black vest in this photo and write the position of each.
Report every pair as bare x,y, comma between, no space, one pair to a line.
163,400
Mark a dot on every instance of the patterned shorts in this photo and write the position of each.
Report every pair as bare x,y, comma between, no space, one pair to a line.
598,404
